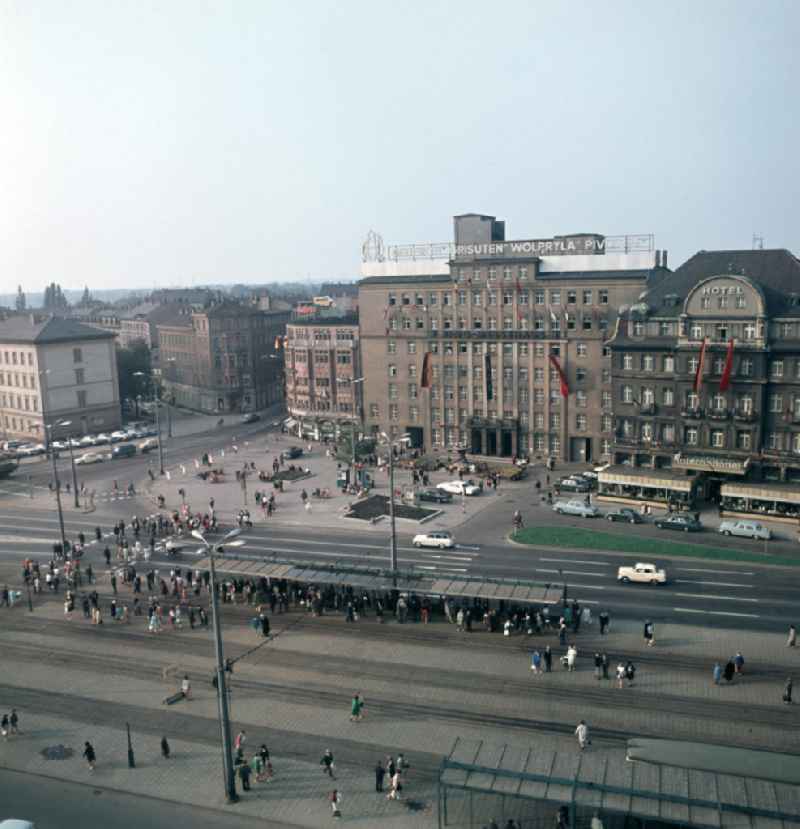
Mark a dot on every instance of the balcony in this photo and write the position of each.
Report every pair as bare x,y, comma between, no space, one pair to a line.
647,409
745,417
718,414
692,414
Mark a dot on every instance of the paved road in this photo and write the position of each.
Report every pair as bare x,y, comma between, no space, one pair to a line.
55,804
745,596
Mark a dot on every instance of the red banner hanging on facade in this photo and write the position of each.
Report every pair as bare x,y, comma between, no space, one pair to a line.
726,372
427,371
698,375
561,376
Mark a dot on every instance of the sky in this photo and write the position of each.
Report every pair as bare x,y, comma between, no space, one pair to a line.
156,144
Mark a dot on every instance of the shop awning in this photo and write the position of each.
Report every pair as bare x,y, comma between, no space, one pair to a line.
676,484
763,492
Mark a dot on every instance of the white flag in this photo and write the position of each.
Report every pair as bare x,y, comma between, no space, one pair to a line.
169,477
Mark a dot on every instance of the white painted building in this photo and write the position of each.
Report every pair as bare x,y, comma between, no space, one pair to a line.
52,370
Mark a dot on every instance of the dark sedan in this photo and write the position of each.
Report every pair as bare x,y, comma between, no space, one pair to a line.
629,516
292,452
684,523
438,496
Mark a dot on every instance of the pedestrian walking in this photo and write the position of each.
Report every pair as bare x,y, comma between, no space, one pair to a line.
630,672
598,665
263,753
356,707
738,662
548,659
396,786
13,722
536,662
380,773
729,670
717,673
240,740
244,776
620,675
165,748
791,642
649,633
604,663
4,725
186,687
572,655
335,799
604,621
328,765
582,733
89,755
787,691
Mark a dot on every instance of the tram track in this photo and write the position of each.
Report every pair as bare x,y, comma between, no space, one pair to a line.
313,693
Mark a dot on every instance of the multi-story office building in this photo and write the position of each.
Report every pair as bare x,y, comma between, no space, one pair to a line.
55,370
323,373
223,358
516,332
706,385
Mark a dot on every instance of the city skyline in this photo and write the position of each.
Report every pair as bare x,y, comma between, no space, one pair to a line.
259,143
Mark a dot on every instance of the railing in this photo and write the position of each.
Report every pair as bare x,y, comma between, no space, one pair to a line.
745,417
718,414
692,414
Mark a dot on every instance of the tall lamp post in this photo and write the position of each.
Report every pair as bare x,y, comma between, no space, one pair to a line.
156,404
390,444
356,409
57,483
72,464
222,696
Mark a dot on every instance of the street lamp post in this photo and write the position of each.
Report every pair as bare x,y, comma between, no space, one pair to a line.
72,464
156,404
222,696
393,542
57,483
354,383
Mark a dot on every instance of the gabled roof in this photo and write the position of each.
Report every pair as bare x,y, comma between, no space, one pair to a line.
776,271
29,328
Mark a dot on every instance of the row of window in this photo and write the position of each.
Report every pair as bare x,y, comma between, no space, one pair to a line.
521,322
343,358
555,296
321,334
21,358
25,381
742,403
667,363
19,402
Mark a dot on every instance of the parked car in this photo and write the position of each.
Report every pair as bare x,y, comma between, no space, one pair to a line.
576,508
148,432
148,445
437,496
59,445
118,436
746,529
631,516
460,487
12,445
292,452
574,485
685,523
88,440
641,572
123,450
251,417
28,450
102,439
88,458
436,538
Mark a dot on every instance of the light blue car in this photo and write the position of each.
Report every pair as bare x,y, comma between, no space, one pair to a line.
576,508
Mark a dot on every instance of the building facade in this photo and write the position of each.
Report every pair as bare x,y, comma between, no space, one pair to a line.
223,358
706,382
516,332
323,361
54,370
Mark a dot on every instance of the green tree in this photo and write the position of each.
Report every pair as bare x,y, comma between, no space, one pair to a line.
130,361
344,447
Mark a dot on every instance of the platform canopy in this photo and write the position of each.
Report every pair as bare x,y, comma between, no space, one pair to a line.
517,591
653,780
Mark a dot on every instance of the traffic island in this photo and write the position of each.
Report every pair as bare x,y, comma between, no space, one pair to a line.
576,538
376,507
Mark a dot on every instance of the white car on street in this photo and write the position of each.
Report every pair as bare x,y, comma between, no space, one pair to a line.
118,436
460,487
642,572
576,508
89,457
436,538
30,449
746,529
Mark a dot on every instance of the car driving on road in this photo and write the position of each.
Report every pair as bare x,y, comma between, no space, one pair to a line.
460,487
642,572
626,514
576,508
685,523
89,458
436,496
746,529
436,538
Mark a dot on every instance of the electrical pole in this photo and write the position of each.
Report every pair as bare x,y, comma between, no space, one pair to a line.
393,547
58,496
74,473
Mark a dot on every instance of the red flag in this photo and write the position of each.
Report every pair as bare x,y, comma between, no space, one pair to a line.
561,376
427,371
698,375
726,372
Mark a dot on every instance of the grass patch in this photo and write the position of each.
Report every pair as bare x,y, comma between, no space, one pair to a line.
576,537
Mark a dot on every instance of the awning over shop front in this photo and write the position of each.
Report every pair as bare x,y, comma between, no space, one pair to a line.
650,479
785,494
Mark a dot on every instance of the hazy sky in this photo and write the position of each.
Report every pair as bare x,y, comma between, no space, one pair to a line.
160,143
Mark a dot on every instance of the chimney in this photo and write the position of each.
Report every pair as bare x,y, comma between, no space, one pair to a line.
663,259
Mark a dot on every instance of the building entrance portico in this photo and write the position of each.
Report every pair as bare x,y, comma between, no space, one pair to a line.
497,439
